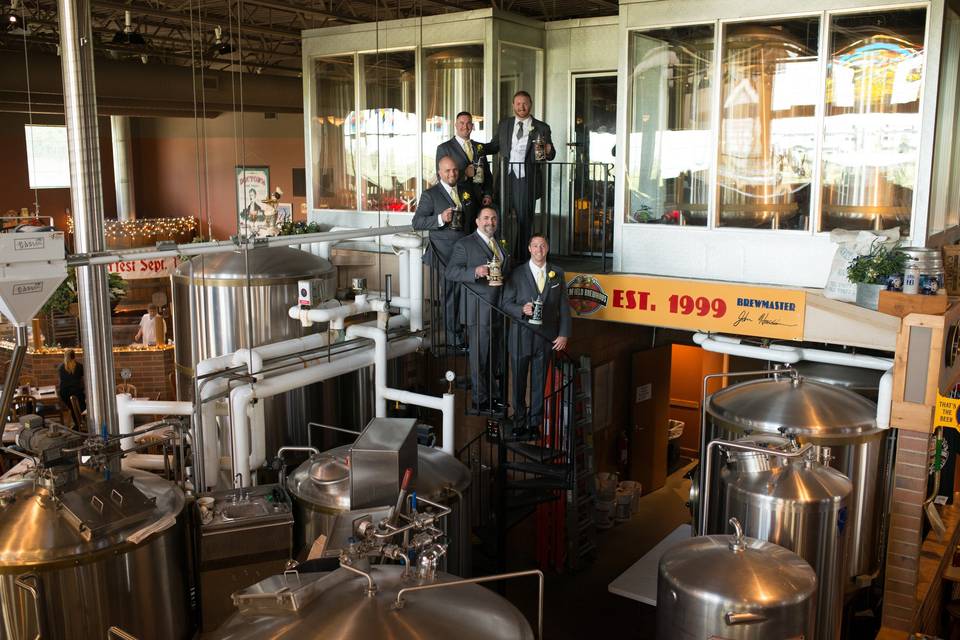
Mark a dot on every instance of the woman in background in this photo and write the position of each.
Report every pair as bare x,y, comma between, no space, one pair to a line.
71,380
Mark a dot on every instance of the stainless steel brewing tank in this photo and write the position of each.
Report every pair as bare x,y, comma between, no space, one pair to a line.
341,609
85,587
321,490
225,323
801,506
823,415
713,587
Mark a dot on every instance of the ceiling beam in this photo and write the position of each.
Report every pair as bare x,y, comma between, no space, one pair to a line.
223,21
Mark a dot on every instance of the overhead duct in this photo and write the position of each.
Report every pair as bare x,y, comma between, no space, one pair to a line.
123,167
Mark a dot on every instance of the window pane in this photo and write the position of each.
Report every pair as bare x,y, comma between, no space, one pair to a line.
767,133
452,82
668,159
872,121
520,70
334,176
47,159
388,126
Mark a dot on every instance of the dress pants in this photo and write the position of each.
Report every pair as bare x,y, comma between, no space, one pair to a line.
486,343
531,354
521,200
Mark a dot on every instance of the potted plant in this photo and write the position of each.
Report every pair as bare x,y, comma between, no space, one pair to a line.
871,271
65,297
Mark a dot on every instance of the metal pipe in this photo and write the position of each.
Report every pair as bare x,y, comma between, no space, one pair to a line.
86,197
371,586
727,444
123,167
13,372
500,576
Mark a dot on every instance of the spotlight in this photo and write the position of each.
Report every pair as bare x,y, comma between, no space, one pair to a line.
127,36
12,22
220,46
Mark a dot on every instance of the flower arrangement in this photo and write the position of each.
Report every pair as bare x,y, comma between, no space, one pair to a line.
877,265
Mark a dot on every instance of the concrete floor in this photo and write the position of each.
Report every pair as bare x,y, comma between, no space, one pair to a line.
578,605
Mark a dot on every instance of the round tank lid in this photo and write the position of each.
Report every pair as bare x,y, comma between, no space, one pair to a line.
759,574
797,406
329,470
264,263
855,379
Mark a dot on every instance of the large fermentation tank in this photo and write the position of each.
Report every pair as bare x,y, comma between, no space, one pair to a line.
454,81
734,587
339,607
224,322
822,415
321,491
801,506
83,587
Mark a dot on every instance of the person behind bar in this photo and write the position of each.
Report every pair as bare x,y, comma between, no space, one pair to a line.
516,141
469,265
148,326
435,213
470,158
70,376
530,346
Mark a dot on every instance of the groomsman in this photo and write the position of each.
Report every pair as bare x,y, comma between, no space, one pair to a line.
471,159
530,345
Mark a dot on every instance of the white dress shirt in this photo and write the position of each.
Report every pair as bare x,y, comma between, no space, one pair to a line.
518,147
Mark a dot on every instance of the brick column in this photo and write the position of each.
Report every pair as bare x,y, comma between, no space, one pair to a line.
905,532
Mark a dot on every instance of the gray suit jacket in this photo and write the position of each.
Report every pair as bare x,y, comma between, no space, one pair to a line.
469,253
453,149
521,288
432,203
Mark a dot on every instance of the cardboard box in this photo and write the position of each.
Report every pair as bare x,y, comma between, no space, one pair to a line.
951,269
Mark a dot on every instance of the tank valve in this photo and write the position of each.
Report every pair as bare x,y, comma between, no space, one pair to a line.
737,543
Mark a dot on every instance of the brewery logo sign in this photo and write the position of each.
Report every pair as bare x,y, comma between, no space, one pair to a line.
586,295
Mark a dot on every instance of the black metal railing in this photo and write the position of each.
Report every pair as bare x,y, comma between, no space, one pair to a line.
571,203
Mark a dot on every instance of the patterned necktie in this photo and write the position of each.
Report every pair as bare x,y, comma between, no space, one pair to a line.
455,198
493,248
540,281
519,130
468,149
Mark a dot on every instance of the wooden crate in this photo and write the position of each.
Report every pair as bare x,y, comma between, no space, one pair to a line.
899,304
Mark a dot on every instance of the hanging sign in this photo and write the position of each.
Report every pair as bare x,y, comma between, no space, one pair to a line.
766,312
139,269
945,413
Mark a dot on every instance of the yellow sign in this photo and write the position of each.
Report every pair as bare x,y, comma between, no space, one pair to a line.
945,415
766,312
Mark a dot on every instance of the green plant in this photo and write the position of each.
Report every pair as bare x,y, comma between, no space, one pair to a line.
874,267
66,293
291,228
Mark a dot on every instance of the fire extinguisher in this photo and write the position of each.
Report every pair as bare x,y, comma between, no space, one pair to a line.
623,452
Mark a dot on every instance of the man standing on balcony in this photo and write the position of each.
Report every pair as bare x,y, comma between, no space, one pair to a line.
443,211
469,265
530,345
471,161
517,140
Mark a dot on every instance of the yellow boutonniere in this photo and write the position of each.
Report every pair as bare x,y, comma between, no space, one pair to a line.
464,196
552,274
503,243
479,148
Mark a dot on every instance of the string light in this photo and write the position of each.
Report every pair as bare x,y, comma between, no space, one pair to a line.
9,346
159,228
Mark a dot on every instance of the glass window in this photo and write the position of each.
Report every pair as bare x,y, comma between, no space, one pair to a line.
47,158
520,69
872,121
334,144
387,127
768,125
668,159
452,82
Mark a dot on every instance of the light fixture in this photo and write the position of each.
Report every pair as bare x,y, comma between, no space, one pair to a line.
127,35
13,22
220,46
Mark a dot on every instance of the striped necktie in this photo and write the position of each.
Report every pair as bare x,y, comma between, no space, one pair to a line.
493,248
468,149
540,280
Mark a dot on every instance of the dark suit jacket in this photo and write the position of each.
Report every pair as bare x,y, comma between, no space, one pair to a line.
453,149
521,288
432,203
503,142
469,253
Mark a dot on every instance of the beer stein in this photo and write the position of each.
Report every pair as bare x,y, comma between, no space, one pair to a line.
477,172
456,222
537,316
539,148
495,276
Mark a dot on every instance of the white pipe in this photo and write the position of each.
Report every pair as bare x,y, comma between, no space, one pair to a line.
404,258
885,399
444,404
415,275
146,461
709,343
240,397
127,408
333,315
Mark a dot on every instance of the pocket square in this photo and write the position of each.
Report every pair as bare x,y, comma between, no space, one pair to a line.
555,286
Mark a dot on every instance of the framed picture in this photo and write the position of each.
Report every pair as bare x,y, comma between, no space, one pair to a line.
253,187
284,212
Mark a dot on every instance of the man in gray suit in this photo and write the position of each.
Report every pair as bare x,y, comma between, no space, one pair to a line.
470,158
530,345
516,143
468,265
435,213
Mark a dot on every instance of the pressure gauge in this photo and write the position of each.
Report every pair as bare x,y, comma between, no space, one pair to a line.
450,376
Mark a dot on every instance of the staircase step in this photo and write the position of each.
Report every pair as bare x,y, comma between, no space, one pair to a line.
529,499
534,452
537,483
552,470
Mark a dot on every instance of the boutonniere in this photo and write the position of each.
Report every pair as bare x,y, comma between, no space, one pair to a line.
552,275
503,243
479,148
465,196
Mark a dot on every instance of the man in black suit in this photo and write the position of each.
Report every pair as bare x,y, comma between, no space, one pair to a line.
435,213
468,265
470,159
530,345
516,141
